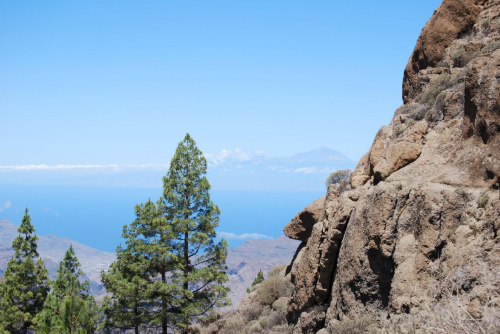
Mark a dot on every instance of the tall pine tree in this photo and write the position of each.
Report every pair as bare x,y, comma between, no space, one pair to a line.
200,268
26,282
70,308
170,272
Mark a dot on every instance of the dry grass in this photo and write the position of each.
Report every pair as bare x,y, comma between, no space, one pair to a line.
261,316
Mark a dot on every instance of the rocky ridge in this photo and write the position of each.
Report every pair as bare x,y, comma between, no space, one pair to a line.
416,235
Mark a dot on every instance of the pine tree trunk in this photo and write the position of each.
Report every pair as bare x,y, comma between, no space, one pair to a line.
186,271
136,325
164,324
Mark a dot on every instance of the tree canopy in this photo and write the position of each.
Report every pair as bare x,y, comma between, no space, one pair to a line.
69,308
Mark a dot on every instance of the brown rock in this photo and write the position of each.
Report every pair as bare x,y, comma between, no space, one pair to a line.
300,227
449,21
362,172
420,238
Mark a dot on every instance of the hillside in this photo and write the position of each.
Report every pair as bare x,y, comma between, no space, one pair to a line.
244,262
52,248
412,243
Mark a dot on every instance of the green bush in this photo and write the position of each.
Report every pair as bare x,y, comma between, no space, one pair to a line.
482,201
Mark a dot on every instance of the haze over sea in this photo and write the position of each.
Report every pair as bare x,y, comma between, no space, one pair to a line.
257,194
95,215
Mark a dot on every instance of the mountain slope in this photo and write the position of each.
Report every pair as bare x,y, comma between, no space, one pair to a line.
244,262
52,248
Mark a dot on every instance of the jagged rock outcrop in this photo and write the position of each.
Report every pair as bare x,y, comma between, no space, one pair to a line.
420,227
300,228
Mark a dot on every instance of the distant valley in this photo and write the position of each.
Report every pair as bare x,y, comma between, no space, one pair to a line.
243,262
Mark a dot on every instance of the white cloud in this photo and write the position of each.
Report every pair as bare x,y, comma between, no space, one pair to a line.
306,170
43,167
238,155
230,235
312,170
276,168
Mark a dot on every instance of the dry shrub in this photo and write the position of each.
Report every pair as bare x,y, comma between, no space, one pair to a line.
482,201
434,87
258,316
277,270
339,176
418,111
485,23
280,329
434,115
458,57
254,327
272,289
277,317
352,326
463,194
439,104
252,312
399,129
231,324
490,47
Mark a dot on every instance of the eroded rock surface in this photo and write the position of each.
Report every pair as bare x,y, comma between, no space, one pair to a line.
420,225
301,226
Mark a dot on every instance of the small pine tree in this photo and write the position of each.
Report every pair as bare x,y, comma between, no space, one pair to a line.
69,308
26,282
259,279
138,280
200,267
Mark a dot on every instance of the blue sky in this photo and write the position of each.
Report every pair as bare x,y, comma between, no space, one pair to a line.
121,82
101,92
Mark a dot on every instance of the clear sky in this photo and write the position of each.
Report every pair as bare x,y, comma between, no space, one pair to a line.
121,82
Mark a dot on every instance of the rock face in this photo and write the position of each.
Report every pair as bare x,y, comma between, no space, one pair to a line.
420,227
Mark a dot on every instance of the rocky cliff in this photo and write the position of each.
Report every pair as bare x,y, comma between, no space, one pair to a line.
414,242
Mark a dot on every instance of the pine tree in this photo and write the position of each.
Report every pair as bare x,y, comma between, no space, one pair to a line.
26,282
69,308
170,272
200,269
259,279
139,279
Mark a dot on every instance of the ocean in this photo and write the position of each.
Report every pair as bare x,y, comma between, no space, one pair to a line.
95,216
